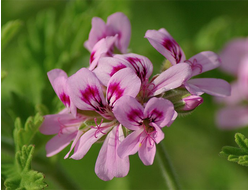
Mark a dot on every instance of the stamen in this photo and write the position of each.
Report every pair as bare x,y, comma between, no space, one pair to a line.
61,127
98,127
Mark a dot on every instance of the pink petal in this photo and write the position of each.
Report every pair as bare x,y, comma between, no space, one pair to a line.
86,141
118,23
109,164
52,124
232,117
129,112
212,86
78,135
86,91
58,143
124,82
141,65
171,78
163,42
97,32
107,67
101,49
130,144
156,135
204,61
147,151
159,111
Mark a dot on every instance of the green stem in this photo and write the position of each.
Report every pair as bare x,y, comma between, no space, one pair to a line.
167,168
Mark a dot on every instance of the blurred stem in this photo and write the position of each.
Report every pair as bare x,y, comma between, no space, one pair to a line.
167,168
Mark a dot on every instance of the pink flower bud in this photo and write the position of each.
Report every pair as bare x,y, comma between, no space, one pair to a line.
191,102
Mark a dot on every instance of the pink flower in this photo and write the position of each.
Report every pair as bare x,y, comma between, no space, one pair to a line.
146,124
117,24
171,78
87,94
235,61
163,42
191,102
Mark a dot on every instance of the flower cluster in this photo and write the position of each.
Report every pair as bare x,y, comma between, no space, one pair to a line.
234,57
116,100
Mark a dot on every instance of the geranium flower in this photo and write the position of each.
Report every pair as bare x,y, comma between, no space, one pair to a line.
163,42
146,124
87,94
234,57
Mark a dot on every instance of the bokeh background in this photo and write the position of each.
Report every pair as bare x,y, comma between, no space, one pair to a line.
50,34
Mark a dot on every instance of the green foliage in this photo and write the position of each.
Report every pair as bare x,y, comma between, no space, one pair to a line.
20,176
24,134
9,30
237,154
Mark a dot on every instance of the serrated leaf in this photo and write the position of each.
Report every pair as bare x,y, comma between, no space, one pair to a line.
9,30
24,135
241,141
237,154
19,175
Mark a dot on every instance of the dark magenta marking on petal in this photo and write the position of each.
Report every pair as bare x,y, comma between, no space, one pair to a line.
91,59
114,89
91,93
117,68
65,99
137,64
173,47
134,115
155,115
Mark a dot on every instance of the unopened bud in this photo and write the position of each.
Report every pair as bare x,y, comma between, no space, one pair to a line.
183,101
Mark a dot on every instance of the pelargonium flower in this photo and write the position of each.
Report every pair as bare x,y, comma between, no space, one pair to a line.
169,79
104,38
87,94
234,59
163,42
146,124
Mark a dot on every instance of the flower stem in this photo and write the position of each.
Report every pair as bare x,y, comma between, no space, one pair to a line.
167,168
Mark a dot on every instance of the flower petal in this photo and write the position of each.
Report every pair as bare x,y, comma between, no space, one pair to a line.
107,67
102,48
123,82
163,42
204,61
159,111
130,144
118,23
129,112
86,141
212,86
147,151
97,32
232,117
58,143
55,123
86,91
171,78
108,163
141,65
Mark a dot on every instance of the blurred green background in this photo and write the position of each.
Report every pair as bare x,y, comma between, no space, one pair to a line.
50,34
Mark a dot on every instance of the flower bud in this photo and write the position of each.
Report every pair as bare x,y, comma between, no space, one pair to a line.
183,101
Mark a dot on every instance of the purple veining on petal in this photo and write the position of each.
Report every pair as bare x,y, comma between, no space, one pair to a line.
91,59
173,47
91,93
194,65
134,115
117,68
65,99
114,90
155,115
134,61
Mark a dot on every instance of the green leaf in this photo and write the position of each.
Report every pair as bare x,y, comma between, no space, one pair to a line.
237,154
19,175
24,135
9,30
